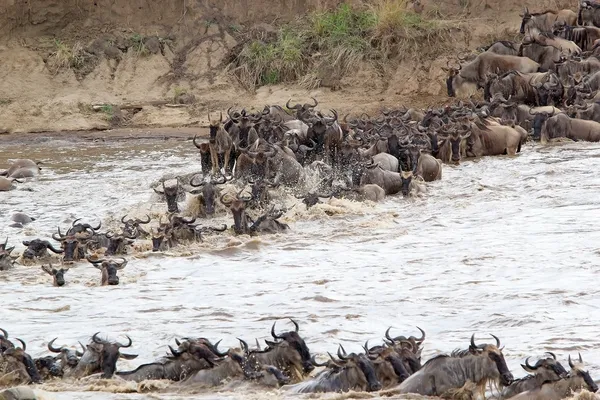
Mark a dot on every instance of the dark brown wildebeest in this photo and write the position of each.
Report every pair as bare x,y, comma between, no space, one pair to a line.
588,112
568,68
206,195
171,193
477,71
389,366
220,144
17,365
109,270
266,223
350,372
73,245
100,356
67,358
561,389
253,164
302,111
582,36
327,134
589,13
131,227
479,364
191,357
544,21
117,244
545,370
38,248
58,275
48,367
205,158
288,352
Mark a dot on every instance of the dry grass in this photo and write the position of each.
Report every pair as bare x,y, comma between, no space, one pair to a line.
326,45
65,57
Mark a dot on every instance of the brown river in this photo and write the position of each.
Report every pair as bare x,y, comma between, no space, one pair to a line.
508,246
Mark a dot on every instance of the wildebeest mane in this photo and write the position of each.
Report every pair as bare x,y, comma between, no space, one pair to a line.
544,12
438,357
460,353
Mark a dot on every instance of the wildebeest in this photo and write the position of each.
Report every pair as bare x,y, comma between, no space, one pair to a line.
502,47
389,368
6,260
171,193
18,365
589,13
546,369
350,372
563,126
479,364
100,356
265,223
109,270
582,36
22,168
588,112
288,352
205,157
302,111
6,184
131,227
220,144
58,275
487,139
207,194
38,248
544,21
486,63
68,358
389,181
73,245
48,367
561,389
20,220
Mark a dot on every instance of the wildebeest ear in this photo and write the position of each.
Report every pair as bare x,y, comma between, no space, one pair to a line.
473,350
128,356
271,344
26,243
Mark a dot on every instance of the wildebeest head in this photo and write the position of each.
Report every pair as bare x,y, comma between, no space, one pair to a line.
207,193
82,228
494,353
406,177
131,227
294,339
538,123
454,79
205,161
73,245
108,353
302,111
58,275
68,357
238,209
6,260
19,360
414,342
455,138
38,248
170,193
549,363
214,126
48,367
360,369
577,369
117,244
109,270
5,344
388,364
526,18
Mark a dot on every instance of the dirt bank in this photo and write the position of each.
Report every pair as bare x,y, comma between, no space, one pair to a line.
72,65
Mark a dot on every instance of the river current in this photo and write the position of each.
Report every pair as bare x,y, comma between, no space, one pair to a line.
507,246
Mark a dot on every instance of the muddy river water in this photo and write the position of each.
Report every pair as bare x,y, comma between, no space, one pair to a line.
509,246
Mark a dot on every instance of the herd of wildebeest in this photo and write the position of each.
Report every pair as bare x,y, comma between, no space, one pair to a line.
286,362
543,88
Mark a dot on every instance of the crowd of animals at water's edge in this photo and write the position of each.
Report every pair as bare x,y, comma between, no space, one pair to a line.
544,88
286,362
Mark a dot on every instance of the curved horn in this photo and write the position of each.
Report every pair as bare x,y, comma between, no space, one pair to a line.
177,342
147,221
96,339
216,350
4,333
128,345
339,353
473,340
551,354
316,364
422,338
175,352
52,348
23,345
497,340
571,362
297,106
316,102
194,141
123,219
387,335
99,261
580,359
531,367
273,332
294,322
244,346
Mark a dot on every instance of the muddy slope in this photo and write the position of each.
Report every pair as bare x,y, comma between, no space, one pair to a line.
81,65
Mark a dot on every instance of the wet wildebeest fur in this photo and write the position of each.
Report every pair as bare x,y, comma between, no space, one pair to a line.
171,193
109,270
58,275
6,260
478,364
73,244
349,372
100,356
545,370
19,364
38,248
131,227
67,358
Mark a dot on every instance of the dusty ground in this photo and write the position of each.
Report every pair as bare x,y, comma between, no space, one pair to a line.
182,47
